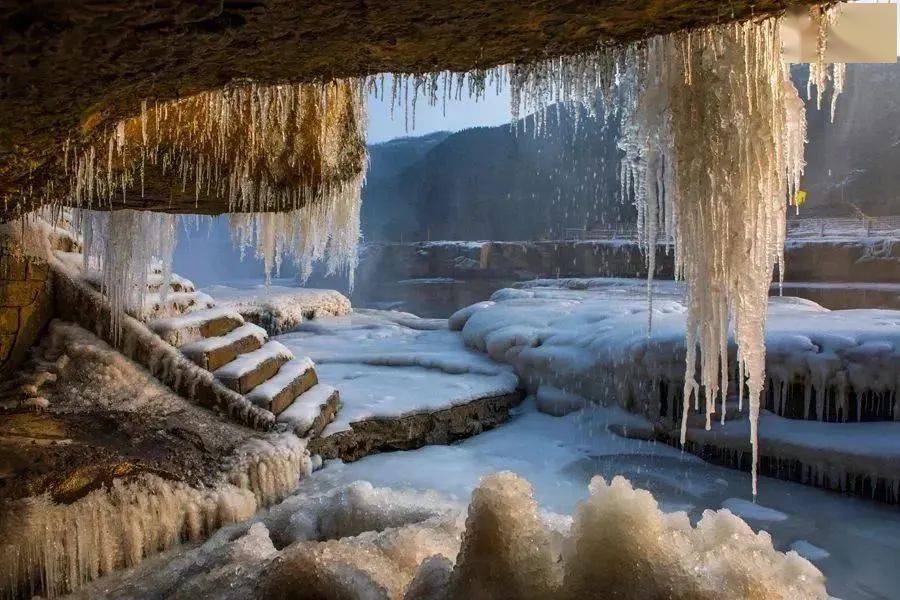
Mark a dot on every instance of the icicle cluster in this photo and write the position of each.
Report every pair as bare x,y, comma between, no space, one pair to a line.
324,230
52,548
262,147
127,247
819,72
407,88
713,132
299,149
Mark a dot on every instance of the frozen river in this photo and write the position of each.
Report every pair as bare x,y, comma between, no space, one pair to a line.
855,542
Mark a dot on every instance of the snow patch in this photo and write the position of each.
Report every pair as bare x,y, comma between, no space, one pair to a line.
245,363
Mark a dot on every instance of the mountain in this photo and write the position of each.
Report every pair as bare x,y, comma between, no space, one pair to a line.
505,183
386,209
502,183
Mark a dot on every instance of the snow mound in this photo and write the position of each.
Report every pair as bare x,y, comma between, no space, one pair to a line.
593,341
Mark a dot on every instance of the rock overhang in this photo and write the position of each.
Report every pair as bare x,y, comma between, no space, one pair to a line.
70,69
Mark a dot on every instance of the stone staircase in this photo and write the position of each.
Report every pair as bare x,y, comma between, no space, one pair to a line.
238,354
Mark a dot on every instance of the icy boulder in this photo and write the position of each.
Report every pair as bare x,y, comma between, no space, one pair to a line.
278,309
358,541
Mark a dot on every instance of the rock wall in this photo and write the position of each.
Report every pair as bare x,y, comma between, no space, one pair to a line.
815,260
408,432
26,304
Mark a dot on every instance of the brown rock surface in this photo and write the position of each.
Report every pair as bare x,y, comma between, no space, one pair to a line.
70,68
413,431
91,432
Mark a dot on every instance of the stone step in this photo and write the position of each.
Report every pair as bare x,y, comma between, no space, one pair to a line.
194,326
174,304
293,379
249,370
215,352
312,411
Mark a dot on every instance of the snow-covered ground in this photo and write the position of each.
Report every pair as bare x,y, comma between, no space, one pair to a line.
391,363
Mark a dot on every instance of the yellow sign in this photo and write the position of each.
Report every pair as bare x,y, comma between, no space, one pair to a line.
799,198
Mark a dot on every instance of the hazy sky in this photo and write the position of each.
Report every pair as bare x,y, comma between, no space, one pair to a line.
461,114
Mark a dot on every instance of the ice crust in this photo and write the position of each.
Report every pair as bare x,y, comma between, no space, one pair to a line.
359,541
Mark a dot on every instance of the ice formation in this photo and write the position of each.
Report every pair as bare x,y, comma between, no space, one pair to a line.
587,338
506,549
260,147
305,235
819,72
716,160
622,546
128,246
294,149
713,135
51,548
363,542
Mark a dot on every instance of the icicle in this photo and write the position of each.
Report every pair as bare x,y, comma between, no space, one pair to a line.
126,246
712,135
320,231
274,147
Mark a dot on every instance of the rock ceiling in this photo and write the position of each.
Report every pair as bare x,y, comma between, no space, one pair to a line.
68,68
